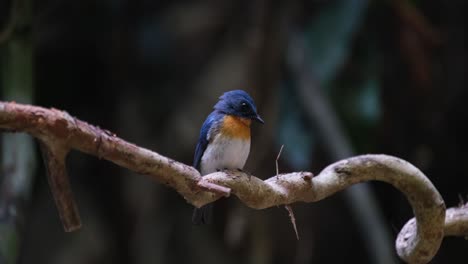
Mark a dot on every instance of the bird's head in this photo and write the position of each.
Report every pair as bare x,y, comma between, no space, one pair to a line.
238,103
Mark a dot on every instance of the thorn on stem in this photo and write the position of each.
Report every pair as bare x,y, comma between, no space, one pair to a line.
461,201
277,158
292,218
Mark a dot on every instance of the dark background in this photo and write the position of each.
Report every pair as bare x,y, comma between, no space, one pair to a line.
393,73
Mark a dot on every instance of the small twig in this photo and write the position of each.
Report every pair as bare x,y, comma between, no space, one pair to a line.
214,188
288,207
461,201
54,160
293,219
277,158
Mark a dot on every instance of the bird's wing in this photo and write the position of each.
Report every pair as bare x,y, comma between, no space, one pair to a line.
206,131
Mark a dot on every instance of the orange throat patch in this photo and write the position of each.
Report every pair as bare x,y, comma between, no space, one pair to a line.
236,127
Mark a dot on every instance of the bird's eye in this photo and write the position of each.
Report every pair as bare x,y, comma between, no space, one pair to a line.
244,106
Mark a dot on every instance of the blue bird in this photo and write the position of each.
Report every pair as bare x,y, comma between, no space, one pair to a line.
224,141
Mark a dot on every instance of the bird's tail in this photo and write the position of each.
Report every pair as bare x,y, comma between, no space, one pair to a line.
203,215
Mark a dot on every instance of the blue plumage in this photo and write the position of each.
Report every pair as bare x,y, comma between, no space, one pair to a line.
212,118
238,103
217,150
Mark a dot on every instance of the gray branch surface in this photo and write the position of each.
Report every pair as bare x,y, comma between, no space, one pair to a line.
417,242
456,221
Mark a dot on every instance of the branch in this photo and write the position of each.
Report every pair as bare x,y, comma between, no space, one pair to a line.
428,206
456,221
456,224
61,132
54,159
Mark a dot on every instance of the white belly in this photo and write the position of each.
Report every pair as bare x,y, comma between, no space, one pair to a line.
224,153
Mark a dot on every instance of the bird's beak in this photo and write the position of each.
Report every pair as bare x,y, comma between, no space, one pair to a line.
258,119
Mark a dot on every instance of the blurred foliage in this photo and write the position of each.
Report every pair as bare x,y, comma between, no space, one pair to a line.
330,37
8,243
18,158
293,130
329,42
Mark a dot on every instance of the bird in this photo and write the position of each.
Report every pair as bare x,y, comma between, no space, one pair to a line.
224,141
